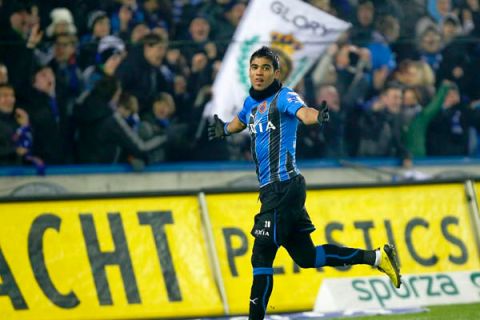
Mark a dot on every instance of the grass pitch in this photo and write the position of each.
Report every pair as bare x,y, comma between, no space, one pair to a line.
450,312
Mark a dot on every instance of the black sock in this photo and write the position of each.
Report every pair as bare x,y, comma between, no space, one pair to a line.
259,295
334,256
369,257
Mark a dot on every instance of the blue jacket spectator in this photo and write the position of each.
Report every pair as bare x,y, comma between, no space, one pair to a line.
99,26
126,17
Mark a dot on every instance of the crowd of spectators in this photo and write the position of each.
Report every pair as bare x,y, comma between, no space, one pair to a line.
126,81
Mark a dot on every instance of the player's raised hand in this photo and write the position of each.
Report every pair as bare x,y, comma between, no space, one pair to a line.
323,115
216,129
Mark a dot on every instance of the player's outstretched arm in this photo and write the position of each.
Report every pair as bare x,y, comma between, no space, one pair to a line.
219,129
313,116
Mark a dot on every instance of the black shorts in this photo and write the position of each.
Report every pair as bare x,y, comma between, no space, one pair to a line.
283,212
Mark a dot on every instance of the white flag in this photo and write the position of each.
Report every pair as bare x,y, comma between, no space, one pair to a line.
296,30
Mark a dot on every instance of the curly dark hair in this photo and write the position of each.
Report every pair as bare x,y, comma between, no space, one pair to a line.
266,52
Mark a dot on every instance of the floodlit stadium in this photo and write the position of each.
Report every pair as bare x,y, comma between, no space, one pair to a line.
239,159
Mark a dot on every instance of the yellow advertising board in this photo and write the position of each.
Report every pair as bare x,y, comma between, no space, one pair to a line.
105,259
429,225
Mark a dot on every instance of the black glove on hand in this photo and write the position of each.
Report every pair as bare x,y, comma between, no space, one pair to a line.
323,115
216,129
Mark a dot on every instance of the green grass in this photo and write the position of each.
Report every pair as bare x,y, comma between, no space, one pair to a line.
451,312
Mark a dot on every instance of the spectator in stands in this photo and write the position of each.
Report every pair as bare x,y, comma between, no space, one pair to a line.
408,12
411,105
334,130
456,60
473,86
200,40
429,47
407,73
143,72
387,31
3,74
440,47
177,62
352,66
473,9
111,52
128,14
377,131
163,109
18,39
99,26
413,11
363,25
437,11
15,133
450,28
201,73
416,133
225,26
185,11
448,132
389,7
62,23
213,11
183,100
18,20
348,68
139,31
68,76
50,119
158,12
128,109
328,141
204,150
325,70
415,74
103,134
158,123
161,30
202,101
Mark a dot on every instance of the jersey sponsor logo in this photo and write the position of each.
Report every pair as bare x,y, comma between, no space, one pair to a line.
377,292
262,107
259,127
261,233
294,97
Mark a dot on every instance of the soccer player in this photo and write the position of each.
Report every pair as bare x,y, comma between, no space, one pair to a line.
271,113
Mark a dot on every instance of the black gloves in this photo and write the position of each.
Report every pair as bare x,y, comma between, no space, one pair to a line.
216,129
323,115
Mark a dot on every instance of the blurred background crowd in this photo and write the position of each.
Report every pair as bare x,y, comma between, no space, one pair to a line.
126,81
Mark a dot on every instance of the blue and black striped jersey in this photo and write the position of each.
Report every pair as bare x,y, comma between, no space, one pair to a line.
272,124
